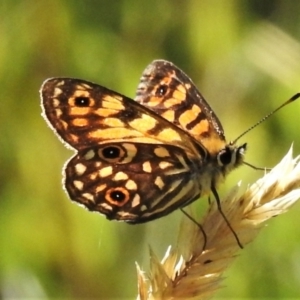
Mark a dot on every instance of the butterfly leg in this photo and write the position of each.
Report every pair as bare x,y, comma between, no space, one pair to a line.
199,225
215,193
209,200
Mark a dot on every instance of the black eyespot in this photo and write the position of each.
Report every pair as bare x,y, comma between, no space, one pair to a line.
111,152
225,156
82,101
161,90
118,196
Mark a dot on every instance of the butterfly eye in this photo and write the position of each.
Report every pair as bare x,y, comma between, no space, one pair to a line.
225,157
82,101
161,90
111,153
118,196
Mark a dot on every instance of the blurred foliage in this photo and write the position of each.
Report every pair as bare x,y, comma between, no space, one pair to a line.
244,56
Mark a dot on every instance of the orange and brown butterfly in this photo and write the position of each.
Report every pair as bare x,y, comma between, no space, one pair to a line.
139,160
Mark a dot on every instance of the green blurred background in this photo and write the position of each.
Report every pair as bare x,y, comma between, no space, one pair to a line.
245,58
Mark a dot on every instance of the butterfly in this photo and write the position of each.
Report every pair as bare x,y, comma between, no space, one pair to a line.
138,160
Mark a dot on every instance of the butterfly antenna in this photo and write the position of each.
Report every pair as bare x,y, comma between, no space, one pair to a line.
292,99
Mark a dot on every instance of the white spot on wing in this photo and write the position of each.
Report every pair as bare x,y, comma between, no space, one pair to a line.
143,207
89,155
58,112
136,200
127,215
57,91
105,171
161,152
88,196
164,164
105,206
55,102
131,185
147,167
159,182
78,184
100,188
80,169
120,176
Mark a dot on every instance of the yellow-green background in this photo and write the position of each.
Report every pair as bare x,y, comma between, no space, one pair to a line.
245,58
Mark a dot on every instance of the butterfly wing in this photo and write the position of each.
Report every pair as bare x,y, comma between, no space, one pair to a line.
132,182
84,114
131,164
169,92
137,161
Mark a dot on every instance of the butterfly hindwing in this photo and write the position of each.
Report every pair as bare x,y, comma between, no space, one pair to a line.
130,181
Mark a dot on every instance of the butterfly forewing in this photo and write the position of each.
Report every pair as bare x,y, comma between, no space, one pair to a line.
85,114
169,92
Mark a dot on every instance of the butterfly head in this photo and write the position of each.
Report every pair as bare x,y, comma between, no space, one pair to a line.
231,157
